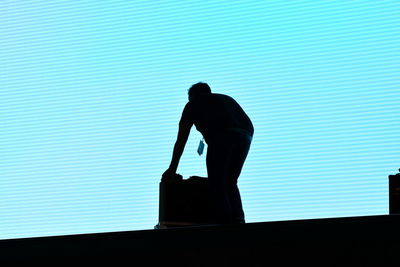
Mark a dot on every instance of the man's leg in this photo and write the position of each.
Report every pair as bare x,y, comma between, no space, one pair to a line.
236,162
218,156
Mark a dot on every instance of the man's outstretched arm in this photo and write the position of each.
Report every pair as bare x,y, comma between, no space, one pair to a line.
183,135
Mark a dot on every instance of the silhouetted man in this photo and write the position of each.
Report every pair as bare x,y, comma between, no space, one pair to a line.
228,131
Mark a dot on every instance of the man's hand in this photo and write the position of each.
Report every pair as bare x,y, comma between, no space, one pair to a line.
168,174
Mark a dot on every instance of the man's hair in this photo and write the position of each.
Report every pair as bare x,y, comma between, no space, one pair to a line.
199,89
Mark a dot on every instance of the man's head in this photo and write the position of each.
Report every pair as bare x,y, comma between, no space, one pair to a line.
198,89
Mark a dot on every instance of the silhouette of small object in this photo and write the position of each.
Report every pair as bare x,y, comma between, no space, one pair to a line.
394,193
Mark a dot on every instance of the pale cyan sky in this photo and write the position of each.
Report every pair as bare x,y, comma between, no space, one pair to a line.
92,91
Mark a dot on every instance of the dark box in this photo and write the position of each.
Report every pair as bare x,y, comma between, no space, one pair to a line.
184,202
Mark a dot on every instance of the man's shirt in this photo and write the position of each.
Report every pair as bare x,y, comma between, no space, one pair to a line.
216,114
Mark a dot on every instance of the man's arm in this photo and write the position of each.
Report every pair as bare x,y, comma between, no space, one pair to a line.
183,135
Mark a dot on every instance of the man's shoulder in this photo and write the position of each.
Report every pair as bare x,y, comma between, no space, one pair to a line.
188,106
222,97
219,95
225,99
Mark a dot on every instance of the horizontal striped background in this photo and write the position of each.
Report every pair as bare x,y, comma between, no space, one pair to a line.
91,93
